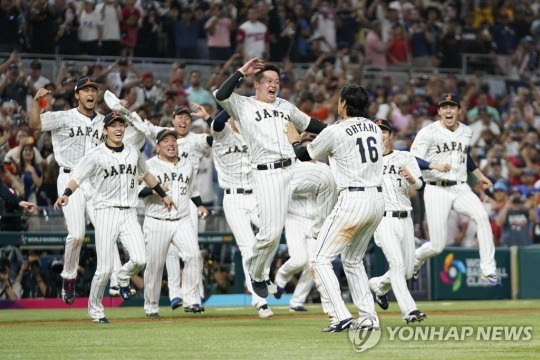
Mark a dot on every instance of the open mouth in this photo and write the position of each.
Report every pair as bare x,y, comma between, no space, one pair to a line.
272,92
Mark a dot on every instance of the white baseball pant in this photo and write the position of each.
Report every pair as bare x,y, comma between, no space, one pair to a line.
396,239
300,244
241,212
439,200
112,224
274,189
347,231
159,235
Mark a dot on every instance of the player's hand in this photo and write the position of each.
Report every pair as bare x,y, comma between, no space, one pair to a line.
486,183
61,201
202,212
41,93
168,203
404,173
200,111
441,167
252,66
291,133
29,207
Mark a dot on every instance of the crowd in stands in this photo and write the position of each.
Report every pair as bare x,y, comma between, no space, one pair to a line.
337,39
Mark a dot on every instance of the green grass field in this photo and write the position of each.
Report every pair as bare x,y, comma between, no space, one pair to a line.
238,333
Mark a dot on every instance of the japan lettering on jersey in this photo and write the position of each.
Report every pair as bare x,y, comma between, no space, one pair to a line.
114,174
354,147
396,188
179,179
437,144
73,134
262,126
231,159
193,146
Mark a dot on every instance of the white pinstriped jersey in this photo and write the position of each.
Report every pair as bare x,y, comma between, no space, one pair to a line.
231,159
355,149
304,205
396,188
437,144
73,134
114,175
179,179
262,126
193,146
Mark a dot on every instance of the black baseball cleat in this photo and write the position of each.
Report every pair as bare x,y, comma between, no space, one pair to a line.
340,326
279,292
68,291
414,316
382,301
102,320
196,308
152,315
260,288
124,292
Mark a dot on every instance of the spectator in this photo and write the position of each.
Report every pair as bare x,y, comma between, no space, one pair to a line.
505,40
218,29
399,48
111,15
90,28
149,91
9,23
148,38
527,188
323,23
252,37
450,45
14,86
302,33
516,220
525,59
14,155
480,123
68,31
375,48
31,173
124,78
196,93
35,79
9,289
31,278
421,41
42,27
186,32
129,27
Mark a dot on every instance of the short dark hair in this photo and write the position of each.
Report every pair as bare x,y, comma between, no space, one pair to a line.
356,100
267,67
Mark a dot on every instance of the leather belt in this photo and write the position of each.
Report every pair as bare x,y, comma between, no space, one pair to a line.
275,165
361,188
397,214
446,183
122,207
66,170
155,218
239,191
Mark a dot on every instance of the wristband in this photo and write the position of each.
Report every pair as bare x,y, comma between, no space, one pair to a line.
159,190
67,192
296,143
197,200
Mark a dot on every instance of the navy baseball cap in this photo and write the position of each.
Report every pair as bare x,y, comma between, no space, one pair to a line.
85,82
161,135
449,99
384,124
180,110
113,116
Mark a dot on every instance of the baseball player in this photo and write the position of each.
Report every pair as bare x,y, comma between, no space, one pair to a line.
395,233
260,120
300,241
114,170
233,165
162,227
447,141
355,149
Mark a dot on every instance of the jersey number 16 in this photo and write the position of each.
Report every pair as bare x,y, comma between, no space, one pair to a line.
371,149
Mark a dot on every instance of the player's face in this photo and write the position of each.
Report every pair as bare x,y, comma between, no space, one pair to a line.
341,107
449,116
115,133
267,89
168,148
182,124
387,137
87,99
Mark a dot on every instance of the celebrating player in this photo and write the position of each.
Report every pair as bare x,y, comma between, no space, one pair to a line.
260,120
395,233
447,141
114,170
162,227
355,149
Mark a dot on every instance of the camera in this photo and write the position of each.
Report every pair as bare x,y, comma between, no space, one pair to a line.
34,265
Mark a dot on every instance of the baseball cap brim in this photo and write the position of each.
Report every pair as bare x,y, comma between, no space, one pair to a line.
448,102
95,85
161,135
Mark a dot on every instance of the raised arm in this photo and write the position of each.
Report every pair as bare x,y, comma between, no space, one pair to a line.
228,86
34,120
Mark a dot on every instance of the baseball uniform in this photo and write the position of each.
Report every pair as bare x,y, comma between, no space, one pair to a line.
114,173
233,165
354,147
445,191
395,233
162,227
